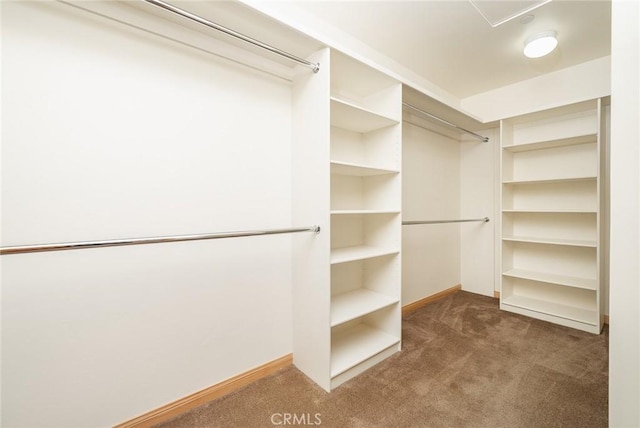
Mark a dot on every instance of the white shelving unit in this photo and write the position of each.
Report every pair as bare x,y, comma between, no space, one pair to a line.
553,214
347,313
365,217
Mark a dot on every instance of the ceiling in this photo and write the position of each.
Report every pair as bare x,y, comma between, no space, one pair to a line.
452,45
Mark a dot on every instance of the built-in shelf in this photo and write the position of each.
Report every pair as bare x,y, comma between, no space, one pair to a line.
361,252
568,281
552,241
360,140
349,116
352,346
354,304
552,229
572,313
361,212
550,180
562,142
550,211
358,170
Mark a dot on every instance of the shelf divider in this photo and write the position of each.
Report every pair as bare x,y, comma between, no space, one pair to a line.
562,280
349,116
357,344
552,241
584,316
354,304
360,252
548,144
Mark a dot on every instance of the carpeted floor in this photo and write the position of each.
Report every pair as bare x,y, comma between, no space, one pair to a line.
463,363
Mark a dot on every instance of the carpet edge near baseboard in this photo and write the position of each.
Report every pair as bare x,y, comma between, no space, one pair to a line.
182,405
414,306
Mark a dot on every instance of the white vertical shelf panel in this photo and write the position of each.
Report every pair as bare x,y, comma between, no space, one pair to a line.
310,199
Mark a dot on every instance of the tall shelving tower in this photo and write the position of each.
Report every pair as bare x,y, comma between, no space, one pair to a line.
347,314
554,215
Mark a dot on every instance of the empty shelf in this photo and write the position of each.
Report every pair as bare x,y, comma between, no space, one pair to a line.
357,212
349,116
354,304
347,168
552,241
584,316
357,344
561,142
549,210
569,281
550,180
348,254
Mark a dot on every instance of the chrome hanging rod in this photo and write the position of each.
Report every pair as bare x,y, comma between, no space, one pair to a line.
210,24
410,223
156,240
446,122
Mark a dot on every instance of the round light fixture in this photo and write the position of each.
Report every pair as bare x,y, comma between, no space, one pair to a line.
540,44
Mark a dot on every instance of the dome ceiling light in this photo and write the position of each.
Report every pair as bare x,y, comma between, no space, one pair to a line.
540,44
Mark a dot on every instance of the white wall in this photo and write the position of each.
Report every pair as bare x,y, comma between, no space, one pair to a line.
624,331
304,21
586,81
112,133
477,200
430,191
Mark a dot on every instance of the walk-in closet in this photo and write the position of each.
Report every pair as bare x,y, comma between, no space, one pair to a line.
197,197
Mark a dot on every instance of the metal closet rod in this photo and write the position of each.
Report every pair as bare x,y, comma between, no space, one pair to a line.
446,122
409,223
210,24
156,240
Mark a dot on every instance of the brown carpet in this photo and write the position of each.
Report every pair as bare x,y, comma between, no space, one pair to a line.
464,363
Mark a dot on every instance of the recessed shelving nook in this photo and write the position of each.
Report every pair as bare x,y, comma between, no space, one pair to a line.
347,312
553,214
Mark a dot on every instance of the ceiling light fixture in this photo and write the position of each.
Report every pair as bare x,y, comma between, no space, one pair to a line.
540,44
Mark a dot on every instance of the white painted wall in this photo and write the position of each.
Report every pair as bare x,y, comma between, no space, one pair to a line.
430,191
302,20
477,200
112,133
586,81
624,330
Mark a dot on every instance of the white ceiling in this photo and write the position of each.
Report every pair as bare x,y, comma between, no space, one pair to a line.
450,43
